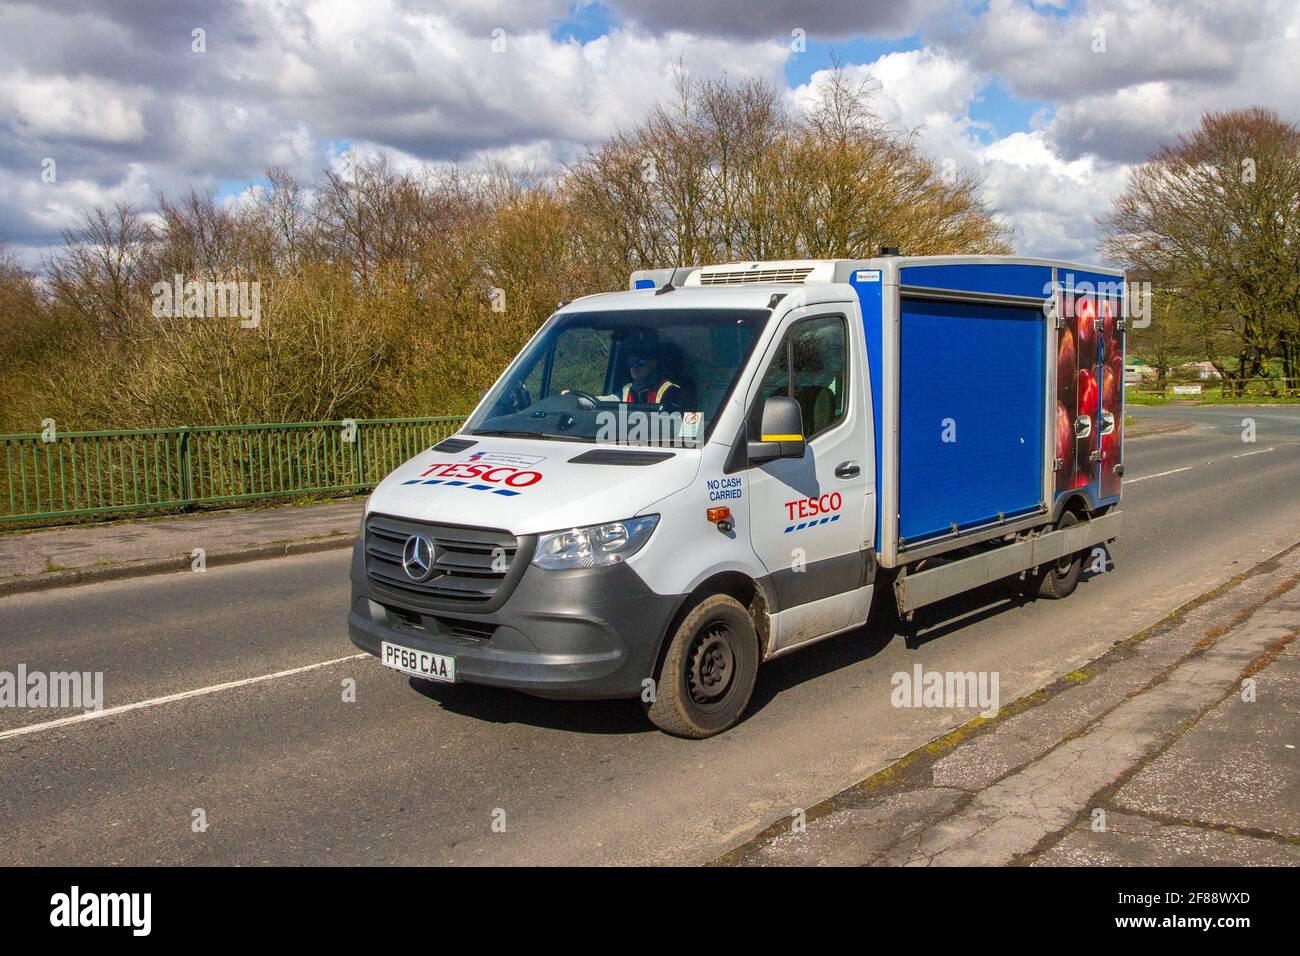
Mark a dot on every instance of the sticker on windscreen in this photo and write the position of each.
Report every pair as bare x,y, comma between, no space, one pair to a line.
690,425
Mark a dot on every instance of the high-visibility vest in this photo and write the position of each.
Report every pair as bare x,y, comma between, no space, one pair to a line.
659,392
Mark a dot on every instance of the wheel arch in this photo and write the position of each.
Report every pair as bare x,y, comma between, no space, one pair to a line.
751,594
1077,502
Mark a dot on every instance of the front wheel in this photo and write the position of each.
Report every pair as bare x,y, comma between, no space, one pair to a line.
707,675
1058,580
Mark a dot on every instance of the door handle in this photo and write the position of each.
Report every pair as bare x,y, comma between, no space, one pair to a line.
847,469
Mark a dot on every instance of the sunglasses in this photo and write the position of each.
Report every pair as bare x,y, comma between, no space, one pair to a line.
637,361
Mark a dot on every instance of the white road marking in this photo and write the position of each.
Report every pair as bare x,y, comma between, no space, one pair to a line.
1159,474
183,695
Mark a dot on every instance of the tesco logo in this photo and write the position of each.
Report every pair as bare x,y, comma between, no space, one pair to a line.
812,507
493,474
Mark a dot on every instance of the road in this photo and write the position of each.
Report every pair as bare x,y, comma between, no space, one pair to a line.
283,769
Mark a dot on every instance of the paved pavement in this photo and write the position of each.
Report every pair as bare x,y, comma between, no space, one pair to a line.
237,688
50,557
1175,748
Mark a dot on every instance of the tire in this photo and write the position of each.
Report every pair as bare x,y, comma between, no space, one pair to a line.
1060,579
708,672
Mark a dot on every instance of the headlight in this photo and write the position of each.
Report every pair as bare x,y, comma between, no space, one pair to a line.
594,546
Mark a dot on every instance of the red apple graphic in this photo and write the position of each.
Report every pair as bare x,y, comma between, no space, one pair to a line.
1087,310
1109,388
1065,360
1108,322
1109,447
1064,435
1087,392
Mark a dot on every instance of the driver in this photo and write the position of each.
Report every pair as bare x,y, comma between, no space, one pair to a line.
648,386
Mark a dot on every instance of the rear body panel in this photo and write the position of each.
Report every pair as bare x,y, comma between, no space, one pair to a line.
971,380
973,341
1090,387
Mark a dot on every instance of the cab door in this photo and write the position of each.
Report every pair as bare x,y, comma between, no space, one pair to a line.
809,515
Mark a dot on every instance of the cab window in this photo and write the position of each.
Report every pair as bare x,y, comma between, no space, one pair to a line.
811,365
568,382
581,361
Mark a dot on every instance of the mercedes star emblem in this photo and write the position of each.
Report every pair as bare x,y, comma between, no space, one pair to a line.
417,557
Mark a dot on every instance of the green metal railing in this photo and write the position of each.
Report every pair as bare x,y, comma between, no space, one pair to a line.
78,474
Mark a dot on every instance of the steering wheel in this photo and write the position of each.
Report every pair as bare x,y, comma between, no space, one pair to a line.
585,399
516,394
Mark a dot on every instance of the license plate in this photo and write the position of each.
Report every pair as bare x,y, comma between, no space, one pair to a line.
418,663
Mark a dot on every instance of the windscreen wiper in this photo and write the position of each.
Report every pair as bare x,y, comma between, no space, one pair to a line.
505,433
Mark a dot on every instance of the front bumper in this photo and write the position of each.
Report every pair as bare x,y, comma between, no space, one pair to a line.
571,634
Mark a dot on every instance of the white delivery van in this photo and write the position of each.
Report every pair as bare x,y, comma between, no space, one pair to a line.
673,484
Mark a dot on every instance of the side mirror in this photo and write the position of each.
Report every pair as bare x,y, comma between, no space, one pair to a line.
781,434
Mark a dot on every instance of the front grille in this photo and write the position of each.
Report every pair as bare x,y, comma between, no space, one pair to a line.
474,630
472,567
465,630
754,276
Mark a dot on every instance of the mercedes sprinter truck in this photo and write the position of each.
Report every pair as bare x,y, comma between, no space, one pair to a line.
673,484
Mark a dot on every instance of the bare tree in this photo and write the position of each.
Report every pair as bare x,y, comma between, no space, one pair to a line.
1216,216
99,272
371,217
725,172
394,292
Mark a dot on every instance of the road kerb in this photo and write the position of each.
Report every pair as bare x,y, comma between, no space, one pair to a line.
93,574
913,772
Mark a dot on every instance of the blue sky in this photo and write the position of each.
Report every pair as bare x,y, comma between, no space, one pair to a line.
1050,103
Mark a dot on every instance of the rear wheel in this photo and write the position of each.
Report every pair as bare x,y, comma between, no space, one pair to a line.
1058,580
708,672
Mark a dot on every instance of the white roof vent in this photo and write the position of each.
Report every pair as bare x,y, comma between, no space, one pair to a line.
799,271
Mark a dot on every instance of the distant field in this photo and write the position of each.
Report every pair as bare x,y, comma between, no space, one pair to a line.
1208,397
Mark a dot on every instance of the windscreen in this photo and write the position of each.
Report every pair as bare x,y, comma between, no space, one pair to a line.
624,377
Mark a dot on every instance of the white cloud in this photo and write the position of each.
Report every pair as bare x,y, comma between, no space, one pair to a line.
1108,43
909,88
1049,201
927,91
1052,203
1126,75
113,93
84,109
37,211
280,82
1128,122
